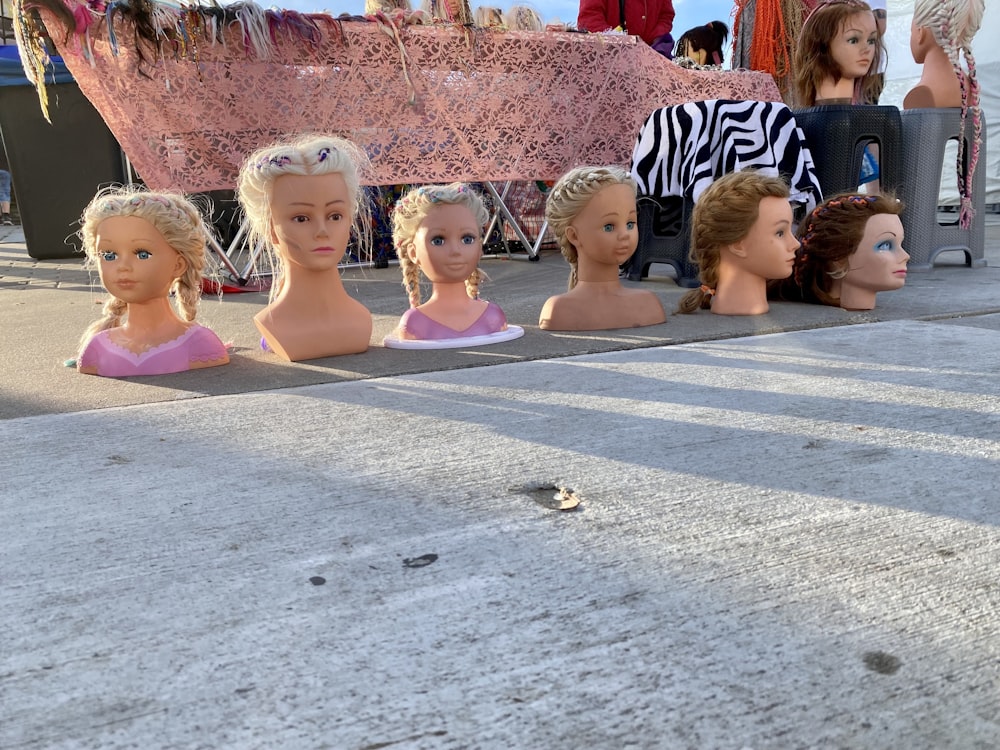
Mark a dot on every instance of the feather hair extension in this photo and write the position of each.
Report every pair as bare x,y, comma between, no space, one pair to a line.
28,34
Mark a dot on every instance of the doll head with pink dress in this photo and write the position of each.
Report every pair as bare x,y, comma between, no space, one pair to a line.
838,54
146,246
437,232
303,202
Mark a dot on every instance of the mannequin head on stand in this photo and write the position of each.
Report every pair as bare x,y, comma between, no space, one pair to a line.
941,36
838,55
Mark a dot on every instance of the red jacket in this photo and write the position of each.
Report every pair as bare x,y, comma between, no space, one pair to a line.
648,19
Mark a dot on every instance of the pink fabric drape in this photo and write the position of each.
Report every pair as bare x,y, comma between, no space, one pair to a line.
469,105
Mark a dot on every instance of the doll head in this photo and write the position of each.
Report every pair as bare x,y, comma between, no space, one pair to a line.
832,234
725,214
415,222
176,220
570,196
448,11
489,17
704,44
953,24
835,36
385,6
523,18
307,155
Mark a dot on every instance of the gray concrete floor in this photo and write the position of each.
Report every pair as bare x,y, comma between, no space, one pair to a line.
784,540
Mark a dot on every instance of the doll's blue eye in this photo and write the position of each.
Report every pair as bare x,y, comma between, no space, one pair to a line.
109,256
437,240
468,239
630,225
886,246
609,227
143,254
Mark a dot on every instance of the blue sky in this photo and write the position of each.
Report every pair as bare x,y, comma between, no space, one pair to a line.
689,12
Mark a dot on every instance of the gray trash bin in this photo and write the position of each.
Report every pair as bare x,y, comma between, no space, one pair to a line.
56,168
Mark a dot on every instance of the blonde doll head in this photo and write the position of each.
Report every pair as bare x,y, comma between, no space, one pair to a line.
305,155
570,195
523,18
489,17
179,222
410,212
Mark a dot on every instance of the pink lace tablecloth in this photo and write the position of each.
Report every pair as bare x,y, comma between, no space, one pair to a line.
468,104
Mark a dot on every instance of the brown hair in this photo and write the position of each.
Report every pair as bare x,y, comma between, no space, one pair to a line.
724,215
829,237
814,61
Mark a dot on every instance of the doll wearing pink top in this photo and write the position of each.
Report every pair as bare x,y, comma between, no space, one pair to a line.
146,246
437,231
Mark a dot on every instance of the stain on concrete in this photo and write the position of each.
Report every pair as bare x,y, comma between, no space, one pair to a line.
419,562
881,662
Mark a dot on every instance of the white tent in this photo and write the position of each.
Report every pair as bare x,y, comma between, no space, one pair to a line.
902,74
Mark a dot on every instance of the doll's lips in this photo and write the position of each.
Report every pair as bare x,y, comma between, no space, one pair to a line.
324,250
901,272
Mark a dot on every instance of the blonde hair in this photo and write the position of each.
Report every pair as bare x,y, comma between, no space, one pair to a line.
813,59
724,214
570,195
954,23
180,223
489,17
449,11
373,7
523,18
412,209
306,155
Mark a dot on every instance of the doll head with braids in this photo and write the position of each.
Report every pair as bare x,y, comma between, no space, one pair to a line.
838,54
741,236
940,40
147,246
852,247
570,196
523,18
421,221
448,11
489,17
303,201
437,231
592,213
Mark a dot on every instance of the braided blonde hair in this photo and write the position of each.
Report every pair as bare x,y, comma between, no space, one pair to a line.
449,11
412,209
724,214
180,223
523,18
570,195
954,23
305,155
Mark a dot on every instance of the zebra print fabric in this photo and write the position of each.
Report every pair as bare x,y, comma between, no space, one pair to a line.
682,149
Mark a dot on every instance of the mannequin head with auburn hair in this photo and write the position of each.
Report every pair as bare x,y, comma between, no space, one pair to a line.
852,248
